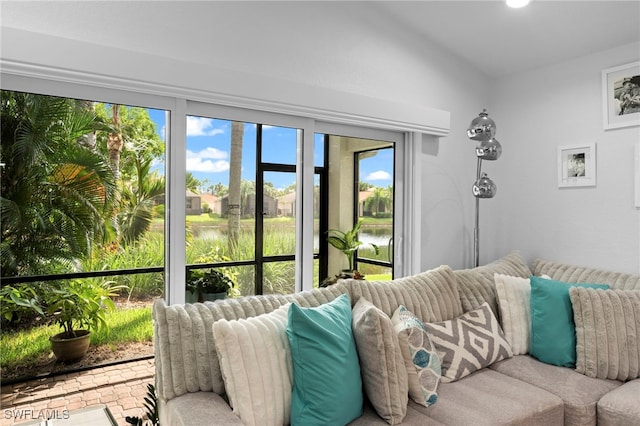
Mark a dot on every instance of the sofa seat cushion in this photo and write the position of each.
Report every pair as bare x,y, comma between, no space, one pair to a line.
413,417
579,392
487,397
192,408
621,406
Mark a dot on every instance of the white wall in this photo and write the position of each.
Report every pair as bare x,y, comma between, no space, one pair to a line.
330,46
333,47
536,112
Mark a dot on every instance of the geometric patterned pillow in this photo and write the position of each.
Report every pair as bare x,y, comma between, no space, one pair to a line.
607,346
468,343
420,358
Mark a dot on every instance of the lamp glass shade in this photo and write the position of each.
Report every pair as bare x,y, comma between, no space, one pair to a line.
482,128
489,150
484,187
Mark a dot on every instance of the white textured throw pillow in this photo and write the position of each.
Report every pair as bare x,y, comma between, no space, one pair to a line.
514,295
255,360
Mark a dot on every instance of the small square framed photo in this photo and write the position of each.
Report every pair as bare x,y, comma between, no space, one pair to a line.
621,96
577,165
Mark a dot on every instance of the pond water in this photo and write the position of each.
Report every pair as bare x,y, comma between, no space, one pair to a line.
378,235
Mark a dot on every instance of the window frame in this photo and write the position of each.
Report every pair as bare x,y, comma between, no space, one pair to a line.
87,86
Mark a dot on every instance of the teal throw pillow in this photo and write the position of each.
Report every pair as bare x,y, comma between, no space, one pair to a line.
327,386
553,332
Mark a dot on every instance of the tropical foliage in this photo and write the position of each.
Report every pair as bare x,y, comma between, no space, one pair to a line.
64,195
81,305
55,192
348,243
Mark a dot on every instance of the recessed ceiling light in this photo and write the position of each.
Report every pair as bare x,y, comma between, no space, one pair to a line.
517,3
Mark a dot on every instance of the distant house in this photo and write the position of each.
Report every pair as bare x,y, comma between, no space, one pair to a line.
367,210
270,207
212,201
362,201
193,203
287,204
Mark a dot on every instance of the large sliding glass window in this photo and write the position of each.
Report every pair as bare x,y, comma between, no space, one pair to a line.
240,209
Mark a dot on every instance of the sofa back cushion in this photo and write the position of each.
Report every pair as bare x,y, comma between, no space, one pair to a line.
432,295
185,355
476,286
578,274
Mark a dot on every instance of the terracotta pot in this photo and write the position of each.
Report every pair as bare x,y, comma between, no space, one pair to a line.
70,348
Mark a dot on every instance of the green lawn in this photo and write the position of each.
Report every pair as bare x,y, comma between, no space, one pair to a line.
26,347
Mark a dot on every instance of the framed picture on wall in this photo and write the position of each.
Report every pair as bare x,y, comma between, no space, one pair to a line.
637,172
577,165
621,96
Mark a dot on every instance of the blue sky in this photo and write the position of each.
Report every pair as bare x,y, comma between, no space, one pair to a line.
208,147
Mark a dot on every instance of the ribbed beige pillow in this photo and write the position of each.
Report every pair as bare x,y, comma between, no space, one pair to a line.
256,365
607,332
384,374
514,296
432,295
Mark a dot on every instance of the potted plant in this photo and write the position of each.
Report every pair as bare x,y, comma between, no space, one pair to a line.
348,243
207,285
78,308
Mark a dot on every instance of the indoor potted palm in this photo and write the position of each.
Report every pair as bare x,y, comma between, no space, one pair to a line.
208,285
78,308
348,243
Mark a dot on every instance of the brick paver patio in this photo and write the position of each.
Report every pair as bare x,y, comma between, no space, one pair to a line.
121,388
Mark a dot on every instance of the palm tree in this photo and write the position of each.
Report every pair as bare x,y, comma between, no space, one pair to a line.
193,183
379,197
115,141
137,201
235,176
54,191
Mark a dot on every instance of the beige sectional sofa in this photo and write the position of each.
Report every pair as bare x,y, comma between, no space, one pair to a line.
518,390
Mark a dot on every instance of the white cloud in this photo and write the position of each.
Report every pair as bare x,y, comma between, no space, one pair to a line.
209,152
201,126
207,166
379,175
209,160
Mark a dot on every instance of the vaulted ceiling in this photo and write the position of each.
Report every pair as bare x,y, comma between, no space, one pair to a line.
492,38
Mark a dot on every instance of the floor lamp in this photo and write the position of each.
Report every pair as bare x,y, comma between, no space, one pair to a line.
483,129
